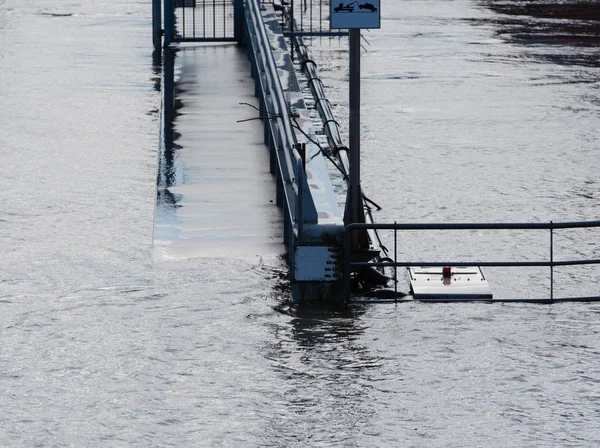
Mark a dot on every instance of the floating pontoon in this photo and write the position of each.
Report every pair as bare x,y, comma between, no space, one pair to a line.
448,283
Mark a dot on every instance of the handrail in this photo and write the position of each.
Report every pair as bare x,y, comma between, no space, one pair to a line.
477,226
551,226
290,163
330,126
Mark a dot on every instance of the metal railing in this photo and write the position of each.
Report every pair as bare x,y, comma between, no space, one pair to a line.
311,19
202,20
550,262
281,136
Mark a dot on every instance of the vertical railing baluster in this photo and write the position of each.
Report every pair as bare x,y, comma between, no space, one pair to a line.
320,16
311,15
301,17
169,32
292,29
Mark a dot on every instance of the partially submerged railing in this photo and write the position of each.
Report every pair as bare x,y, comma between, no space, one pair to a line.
298,205
550,262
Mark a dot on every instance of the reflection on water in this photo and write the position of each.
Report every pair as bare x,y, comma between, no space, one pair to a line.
566,33
167,171
318,324
170,172
583,10
157,69
328,371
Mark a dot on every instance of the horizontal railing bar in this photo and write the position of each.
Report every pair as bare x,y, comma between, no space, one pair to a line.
475,226
383,264
314,34
288,159
575,262
507,300
204,39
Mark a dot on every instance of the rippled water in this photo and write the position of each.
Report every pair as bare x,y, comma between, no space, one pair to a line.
104,344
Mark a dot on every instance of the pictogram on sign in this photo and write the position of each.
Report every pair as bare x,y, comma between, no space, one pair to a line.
356,14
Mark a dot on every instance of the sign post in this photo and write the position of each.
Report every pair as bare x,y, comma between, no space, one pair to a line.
354,16
357,213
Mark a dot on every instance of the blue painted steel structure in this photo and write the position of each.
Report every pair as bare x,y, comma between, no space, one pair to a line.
156,23
313,222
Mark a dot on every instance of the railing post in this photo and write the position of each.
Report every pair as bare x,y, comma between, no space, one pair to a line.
156,23
299,175
346,273
169,33
551,261
238,21
395,262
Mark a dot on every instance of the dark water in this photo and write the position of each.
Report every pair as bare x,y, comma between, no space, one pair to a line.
106,344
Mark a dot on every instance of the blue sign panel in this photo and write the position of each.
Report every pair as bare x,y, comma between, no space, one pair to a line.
348,14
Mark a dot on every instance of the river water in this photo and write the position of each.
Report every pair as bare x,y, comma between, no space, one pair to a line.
472,111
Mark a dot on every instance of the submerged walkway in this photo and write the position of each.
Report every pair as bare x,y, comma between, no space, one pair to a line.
222,201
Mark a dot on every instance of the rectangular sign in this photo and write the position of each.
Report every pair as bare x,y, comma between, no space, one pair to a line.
348,14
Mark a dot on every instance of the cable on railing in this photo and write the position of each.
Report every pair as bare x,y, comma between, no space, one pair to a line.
291,167
331,127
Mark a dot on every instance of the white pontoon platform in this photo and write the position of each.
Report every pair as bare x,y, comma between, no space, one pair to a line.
448,283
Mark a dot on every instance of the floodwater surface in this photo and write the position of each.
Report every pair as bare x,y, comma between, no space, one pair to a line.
473,110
